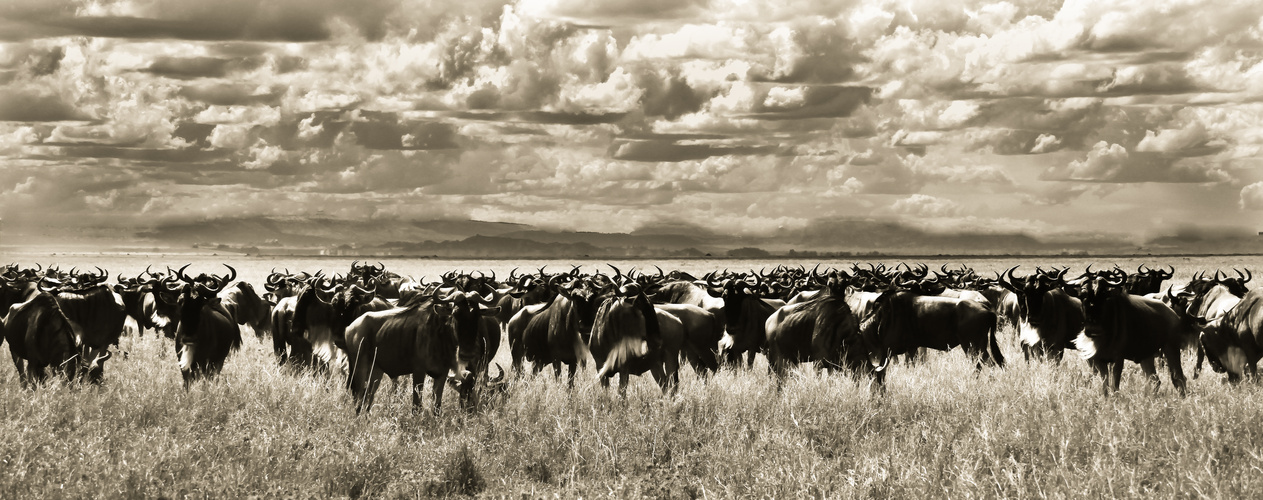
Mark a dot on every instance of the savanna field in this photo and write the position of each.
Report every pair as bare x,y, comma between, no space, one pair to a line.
1030,430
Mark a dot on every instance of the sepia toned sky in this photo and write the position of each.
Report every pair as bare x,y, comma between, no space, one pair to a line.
1136,118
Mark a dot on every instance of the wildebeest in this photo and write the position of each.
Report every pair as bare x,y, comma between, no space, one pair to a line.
745,314
246,307
630,337
206,334
478,339
40,336
1233,342
905,321
417,338
1121,327
702,332
1050,317
323,312
552,333
822,330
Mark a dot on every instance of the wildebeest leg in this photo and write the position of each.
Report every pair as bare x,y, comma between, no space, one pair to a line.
1115,374
1201,354
1176,371
572,367
1149,365
557,370
516,352
1101,368
750,357
438,389
364,381
623,380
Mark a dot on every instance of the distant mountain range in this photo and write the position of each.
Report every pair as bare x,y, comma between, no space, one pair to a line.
471,238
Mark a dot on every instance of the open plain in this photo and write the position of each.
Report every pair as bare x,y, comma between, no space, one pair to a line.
1030,430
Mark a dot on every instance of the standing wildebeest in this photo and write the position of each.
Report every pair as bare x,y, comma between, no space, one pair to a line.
1233,342
417,338
905,321
552,333
206,334
323,312
630,337
478,339
1120,327
1050,317
822,330
745,314
40,336
246,307
702,332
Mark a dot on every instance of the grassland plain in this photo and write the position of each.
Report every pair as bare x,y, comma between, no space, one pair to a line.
1033,429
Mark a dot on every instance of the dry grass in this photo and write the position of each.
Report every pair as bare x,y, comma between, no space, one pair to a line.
1030,430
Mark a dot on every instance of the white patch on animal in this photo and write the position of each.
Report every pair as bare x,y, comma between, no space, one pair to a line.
1085,345
1028,333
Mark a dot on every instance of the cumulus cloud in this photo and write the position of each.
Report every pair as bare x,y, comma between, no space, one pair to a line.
921,205
1252,197
729,110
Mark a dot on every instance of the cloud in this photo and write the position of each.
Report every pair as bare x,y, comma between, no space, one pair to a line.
920,205
1252,197
1114,163
31,105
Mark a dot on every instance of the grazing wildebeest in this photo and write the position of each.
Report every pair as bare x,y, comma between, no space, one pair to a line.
1121,327
1233,342
417,338
206,334
745,314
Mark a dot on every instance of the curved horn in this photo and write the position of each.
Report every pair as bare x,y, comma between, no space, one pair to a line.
1217,278
180,274
230,277
1171,273
380,267
1248,275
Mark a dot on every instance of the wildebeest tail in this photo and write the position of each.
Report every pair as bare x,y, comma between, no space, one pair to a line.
995,346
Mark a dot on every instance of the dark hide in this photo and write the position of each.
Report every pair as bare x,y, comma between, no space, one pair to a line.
39,336
288,343
416,340
550,335
822,331
97,318
324,323
628,339
246,307
702,332
1122,327
205,336
906,322
478,336
1234,341
1056,319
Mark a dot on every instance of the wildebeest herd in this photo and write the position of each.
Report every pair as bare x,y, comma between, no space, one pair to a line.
368,322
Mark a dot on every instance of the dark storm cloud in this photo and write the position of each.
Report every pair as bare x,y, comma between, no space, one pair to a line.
232,94
188,68
30,105
281,20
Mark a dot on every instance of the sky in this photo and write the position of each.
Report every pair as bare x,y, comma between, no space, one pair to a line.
1129,118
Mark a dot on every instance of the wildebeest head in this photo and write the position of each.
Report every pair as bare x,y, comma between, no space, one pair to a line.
1030,290
1097,290
1237,286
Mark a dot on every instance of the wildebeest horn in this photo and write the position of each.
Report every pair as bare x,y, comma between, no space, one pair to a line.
180,273
617,273
380,267
1121,278
1248,276
1170,273
660,273
1217,278
355,265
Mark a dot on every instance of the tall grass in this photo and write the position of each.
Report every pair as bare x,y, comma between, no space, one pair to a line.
940,430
